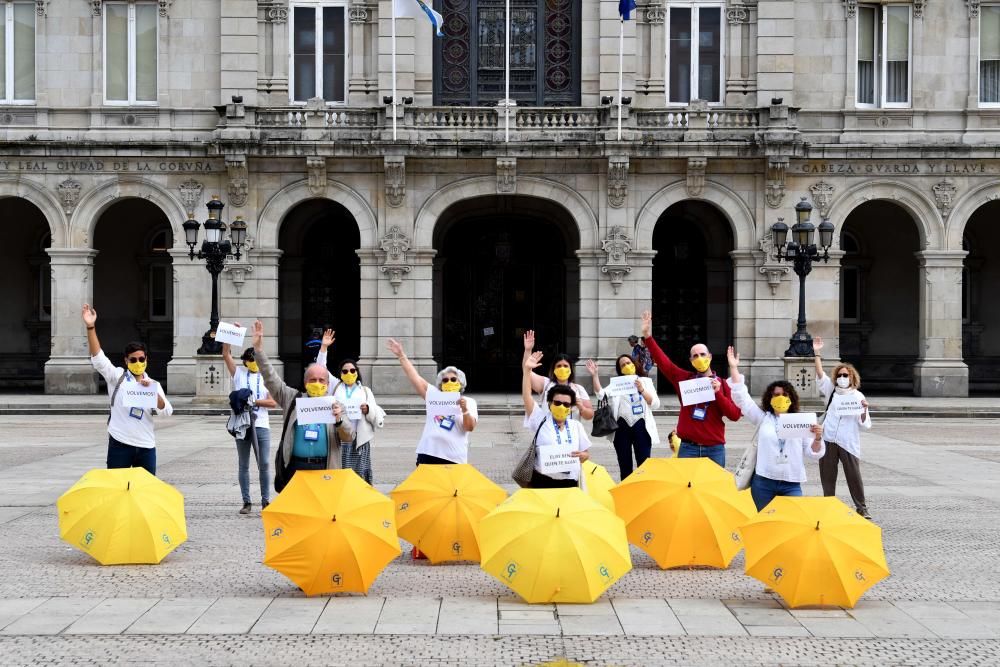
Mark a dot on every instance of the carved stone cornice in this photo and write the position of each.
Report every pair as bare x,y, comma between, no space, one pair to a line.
395,180
617,180
97,7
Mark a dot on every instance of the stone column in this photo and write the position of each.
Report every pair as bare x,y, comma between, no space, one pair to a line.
266,271
371,345
68,370
192,306
745,278
940,370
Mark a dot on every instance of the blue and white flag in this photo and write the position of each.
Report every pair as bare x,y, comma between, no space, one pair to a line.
625,8
416,8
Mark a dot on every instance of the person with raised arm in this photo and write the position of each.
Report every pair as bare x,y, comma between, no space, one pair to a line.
560,373
634,413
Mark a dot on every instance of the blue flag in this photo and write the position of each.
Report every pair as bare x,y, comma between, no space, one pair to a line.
625,8
412,7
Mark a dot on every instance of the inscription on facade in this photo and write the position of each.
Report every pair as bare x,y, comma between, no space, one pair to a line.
897,168
79,166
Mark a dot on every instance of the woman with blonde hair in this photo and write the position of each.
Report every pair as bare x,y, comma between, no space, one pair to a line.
842,428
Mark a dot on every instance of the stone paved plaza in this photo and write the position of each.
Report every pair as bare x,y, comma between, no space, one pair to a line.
933,485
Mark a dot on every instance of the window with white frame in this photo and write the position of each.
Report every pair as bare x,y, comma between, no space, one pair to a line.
883,78
989,54
694,53
130,46
318,65
17,52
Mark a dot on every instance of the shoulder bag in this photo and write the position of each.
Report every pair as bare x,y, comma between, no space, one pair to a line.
604,419
747,464
526,465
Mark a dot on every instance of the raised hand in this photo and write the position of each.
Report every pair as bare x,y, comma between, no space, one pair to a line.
89,315
716,385
395,347
647,324
591,368
817,345
258,334
533,361
529,340
733,357
328,338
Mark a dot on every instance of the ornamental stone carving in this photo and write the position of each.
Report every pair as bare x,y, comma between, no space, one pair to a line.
96,6
617,180
918,8
655,14
164,7
190,194
696,175
852,8
944,196
973,8
316,169
69,195
771,269
822,193
239,187
358,13
506,175
40,7
617,245
395,180
737,14
775,193
275,11
395,244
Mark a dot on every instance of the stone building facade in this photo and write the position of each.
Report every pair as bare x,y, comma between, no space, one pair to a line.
119,119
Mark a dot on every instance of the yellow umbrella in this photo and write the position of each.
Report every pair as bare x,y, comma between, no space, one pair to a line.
124,515
329,532
814,551
438,508
598,484
554,545
683,512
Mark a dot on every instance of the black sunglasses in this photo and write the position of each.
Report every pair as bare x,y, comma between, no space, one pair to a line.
348,370
449,379
136,360
843,375
564,404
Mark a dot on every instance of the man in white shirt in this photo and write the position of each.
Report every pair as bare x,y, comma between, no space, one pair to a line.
131,439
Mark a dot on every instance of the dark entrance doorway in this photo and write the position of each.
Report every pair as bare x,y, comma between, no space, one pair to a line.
693,282
504,265
980,307
319,284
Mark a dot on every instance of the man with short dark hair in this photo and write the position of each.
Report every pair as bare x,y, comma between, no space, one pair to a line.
131,439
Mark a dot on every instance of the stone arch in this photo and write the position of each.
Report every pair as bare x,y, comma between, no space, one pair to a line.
734,209
963,210
930,227
94,203
527,186
54,216
276,210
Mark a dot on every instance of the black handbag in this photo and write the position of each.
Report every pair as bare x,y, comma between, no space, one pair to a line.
604,421
525,466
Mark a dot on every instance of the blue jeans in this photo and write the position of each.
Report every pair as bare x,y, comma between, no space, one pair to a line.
244,449
764,489
121,455
691,450
628,438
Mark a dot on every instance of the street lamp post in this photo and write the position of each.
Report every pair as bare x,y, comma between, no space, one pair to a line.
214,250
801,251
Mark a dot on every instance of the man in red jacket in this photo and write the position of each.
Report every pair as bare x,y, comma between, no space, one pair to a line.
700,427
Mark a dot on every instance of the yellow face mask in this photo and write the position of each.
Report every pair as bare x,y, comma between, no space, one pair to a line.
349,378
252,366
315,389
701,364
780,404
451,386
560,412
628,369
562,373
137,368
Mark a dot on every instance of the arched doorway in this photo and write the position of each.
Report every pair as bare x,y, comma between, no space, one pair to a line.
26,295
693,282
134,283
879,295
504,265
980,309
319,284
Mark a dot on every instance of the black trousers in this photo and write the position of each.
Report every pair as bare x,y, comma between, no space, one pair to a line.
540,481
835,454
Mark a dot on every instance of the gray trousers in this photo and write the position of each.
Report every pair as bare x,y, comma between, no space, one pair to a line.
828,465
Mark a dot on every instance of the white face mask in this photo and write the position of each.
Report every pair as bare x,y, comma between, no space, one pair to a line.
843,383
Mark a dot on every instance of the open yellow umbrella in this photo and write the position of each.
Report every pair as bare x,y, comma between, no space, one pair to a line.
554,545
814,551
329,532
597,483
438,508
124,515
683,512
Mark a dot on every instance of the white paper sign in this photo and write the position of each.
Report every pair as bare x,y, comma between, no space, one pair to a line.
557,458
134,395
849,407
622,385
442,402
796,425
488,331
352,404
314,410
697,390
230,333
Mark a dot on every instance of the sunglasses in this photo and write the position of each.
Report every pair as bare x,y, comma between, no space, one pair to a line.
843,375
449,380
136,360
562,404
348,370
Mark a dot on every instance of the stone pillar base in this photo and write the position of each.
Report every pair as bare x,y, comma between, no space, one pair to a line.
762,372
181,373
70,375
946,377
386,376
801,372
212,381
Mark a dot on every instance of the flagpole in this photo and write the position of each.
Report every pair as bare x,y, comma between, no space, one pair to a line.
621,50
394,70
506,75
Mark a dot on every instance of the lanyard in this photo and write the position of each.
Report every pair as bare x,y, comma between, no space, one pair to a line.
781,441
569,433
257,395
349,391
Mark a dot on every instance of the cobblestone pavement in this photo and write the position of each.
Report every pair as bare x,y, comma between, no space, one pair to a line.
934,487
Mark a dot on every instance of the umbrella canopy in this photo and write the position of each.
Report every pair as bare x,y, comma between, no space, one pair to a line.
329,532
814,551
554,545
124,515
438,508
683,512
598,483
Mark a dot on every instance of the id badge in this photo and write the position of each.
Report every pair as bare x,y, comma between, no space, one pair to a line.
135,413
311,435
698,414
637,408
781,459
447,423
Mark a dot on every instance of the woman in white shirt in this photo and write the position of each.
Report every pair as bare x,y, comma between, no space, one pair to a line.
842,426
553,428
561,374
634,413
780,469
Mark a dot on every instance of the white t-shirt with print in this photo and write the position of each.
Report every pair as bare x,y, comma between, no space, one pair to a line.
129,426
446,437
571,432
244,379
